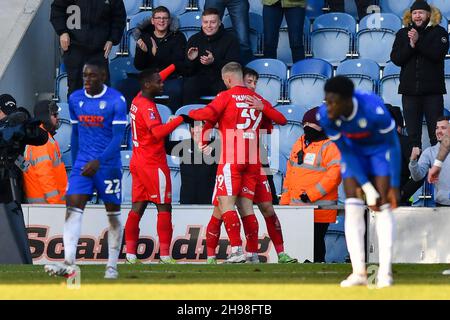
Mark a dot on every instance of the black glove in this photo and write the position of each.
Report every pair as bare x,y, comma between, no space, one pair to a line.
304,197
187,119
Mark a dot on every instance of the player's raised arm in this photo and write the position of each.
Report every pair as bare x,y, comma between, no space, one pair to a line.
212,111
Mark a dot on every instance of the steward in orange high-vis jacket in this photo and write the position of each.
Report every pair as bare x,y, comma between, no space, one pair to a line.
313,176
45,178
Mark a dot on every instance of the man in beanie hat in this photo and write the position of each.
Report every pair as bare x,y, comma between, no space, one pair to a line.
420,49
7,106
45,179
313,176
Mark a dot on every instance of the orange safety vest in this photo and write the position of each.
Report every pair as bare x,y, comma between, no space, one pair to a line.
45,177
319,176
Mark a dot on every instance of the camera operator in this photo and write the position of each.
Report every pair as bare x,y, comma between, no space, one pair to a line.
16,131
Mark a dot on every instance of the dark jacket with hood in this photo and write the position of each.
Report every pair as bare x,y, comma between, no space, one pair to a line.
171,49
422,67
101,21
223,45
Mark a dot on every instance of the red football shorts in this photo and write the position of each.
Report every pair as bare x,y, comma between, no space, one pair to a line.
236,180
262,190
151,184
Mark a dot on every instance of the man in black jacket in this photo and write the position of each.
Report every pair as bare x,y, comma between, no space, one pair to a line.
207,52
420,49
87,30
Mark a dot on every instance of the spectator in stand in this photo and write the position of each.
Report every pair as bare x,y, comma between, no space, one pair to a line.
198,166
158,45
420,49
313,177
419,168
361,5
294,12
238,11
87,33
45,179
407,185
207,52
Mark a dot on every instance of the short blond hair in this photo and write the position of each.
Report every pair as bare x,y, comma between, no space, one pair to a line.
232,67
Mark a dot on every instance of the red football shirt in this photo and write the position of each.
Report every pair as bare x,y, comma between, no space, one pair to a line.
148,132
238,124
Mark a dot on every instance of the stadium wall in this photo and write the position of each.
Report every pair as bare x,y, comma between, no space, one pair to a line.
45,228
27,50
423,236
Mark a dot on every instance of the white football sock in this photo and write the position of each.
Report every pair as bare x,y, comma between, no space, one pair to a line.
72,230
354,233
385,226
114,238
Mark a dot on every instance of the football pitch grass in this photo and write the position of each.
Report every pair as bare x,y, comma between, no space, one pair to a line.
213,282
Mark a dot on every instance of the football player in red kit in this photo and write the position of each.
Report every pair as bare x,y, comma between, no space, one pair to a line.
239,112
263,198
148,165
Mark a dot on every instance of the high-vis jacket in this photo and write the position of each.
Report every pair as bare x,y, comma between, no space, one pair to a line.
317,174
45,177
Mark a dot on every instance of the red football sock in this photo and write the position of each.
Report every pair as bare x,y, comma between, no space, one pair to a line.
132,231
275,233
212,235
233,227
250,224
164,228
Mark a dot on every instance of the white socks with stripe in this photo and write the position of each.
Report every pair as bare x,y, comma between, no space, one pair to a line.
355,229
72,230
385,226
114,238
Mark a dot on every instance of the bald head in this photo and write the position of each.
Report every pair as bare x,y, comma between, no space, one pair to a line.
232,74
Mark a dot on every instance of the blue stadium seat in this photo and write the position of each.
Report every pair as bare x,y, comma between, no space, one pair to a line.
364,73
127,142
284,49
125,157
256,31
293,113
132,6
287,135
119,69
176,7
126,186
64,110
182,132
138,18
272,76
308,77
336,247
376,36
66,158
63,135
389,85
444,23
164,112
332,36
173,162
190,23
61,88
314,8
443,5
175,177
397,7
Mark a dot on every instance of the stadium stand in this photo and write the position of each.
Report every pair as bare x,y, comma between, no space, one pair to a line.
364,73
119,69
176,7
293,113
389,85
336,247
397,7
64,110
182,132
333,30
61,88
256,31
287,135
164,112
308,76
190,23
376,36
284,50
443,5
63,136
277,181
447,84
314,8
272,78
132,6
